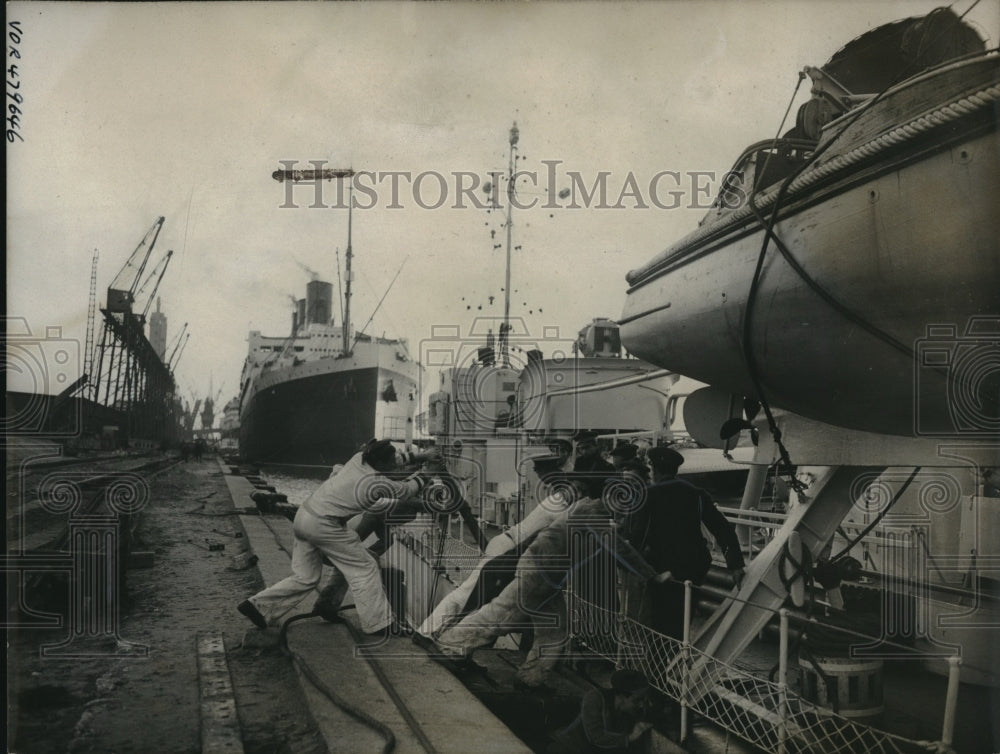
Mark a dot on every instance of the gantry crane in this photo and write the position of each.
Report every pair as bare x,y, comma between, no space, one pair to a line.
158,272
121,298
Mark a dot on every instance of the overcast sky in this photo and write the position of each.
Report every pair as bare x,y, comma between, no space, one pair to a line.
133,111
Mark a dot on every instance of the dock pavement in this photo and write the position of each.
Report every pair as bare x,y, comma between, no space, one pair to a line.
444,713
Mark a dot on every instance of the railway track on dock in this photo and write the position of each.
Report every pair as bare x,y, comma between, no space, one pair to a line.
41,498
59,511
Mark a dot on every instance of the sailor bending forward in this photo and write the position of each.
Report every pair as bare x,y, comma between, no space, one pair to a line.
548,565
320,529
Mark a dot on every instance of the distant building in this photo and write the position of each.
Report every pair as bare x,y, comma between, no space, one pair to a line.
158,331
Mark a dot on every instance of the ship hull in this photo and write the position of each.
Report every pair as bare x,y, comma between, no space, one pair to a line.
322,417
899,256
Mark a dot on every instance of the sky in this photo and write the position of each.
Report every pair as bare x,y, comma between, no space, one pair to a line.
134,111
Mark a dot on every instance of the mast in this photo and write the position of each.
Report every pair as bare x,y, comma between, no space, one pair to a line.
340,288
505,325
327,174
348,347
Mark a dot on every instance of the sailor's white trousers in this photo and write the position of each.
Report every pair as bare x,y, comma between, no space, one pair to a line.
314,538
534,599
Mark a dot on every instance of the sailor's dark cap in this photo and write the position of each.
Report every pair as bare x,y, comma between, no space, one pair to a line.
635,465
664,458
585,435
546,464
560,442
624,450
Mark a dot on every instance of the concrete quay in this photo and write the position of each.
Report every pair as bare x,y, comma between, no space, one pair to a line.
417,691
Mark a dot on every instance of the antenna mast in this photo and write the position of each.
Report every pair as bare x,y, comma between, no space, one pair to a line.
505,325
329,174
346,324
340,287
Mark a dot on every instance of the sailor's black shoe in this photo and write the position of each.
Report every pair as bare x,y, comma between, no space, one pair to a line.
247,608
328,612
452,663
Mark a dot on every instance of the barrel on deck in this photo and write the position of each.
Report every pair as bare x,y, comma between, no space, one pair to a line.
852,687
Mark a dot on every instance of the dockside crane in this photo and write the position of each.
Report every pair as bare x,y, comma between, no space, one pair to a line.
208,412
120,298
190,416
158,272
129,371
177,343
172,365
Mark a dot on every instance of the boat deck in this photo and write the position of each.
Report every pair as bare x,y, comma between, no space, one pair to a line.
424,704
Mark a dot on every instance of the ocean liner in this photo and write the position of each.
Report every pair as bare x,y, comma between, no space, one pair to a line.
309,399
314,396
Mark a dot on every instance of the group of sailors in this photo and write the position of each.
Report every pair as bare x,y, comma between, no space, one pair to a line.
603,532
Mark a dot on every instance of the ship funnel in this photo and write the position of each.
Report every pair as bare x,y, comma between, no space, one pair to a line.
319,302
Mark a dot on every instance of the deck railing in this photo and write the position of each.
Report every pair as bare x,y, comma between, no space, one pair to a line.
764,712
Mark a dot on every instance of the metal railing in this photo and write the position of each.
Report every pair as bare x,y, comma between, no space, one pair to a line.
766,713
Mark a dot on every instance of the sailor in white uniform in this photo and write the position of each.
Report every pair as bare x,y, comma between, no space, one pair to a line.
320,529
544,513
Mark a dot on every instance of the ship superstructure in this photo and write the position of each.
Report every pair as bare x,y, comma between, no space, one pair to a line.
839,306
306,399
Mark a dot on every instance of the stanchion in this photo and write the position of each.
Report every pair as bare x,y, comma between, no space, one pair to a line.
782,679
950,701
687,659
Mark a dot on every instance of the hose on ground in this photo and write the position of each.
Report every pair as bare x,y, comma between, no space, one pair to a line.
362,717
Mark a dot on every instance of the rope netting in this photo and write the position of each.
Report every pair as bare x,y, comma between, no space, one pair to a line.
765,713
760,711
